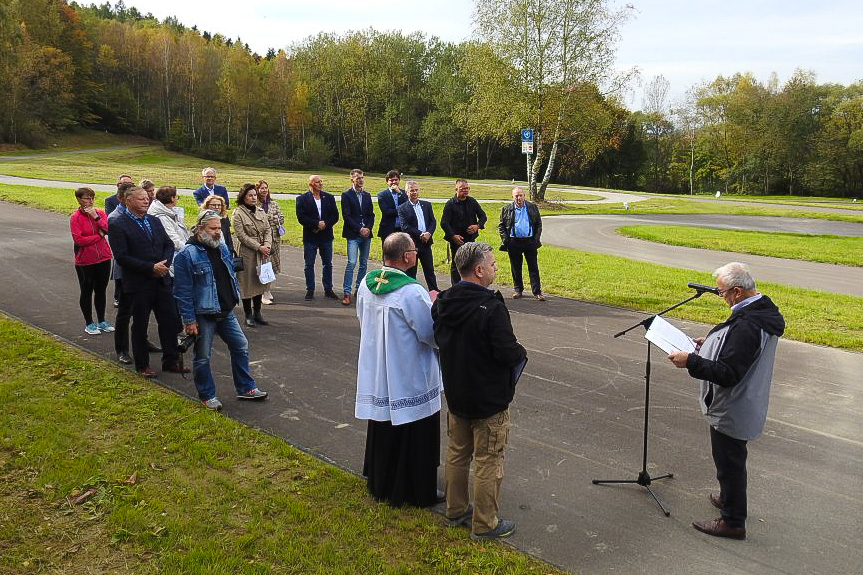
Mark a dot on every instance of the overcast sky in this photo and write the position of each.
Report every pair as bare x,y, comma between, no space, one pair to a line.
687,41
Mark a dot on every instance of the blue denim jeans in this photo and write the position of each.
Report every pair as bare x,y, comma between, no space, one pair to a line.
229,330
362,246
310,251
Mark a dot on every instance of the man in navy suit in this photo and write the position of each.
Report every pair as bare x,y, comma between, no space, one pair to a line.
208,175
317,213
144,250
359,219
389,201
418,221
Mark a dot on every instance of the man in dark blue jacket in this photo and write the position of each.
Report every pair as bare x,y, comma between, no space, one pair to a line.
111,202
735,365
358,216
208,175
317,213
145,252
417,220
207,292
389,201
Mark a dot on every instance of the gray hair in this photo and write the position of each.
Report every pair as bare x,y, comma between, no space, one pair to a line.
396,245
735,274
208,169
470,255
410,183
204,217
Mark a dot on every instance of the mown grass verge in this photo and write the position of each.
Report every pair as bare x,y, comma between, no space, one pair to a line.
814,248
812,317
178,489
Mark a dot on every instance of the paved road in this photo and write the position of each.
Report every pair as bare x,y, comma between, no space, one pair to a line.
597,234
577,416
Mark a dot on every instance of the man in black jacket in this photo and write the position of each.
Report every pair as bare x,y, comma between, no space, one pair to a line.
735,365
144,251
520,228
418,221
389,201
480,361
462,219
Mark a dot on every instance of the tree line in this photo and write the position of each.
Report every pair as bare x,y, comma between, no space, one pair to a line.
382,100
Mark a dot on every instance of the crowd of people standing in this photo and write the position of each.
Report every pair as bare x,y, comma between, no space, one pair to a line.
460,341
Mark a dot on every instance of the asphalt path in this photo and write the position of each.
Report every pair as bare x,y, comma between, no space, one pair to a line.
598,234
577,415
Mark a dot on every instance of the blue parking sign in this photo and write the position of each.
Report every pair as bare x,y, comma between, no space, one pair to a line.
527,135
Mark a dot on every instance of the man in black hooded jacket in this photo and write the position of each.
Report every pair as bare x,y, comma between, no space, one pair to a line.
480,358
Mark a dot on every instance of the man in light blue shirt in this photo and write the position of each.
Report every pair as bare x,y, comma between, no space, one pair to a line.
520,228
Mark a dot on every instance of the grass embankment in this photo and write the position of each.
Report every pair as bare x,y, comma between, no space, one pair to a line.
178,489
825,249
812,317
170,168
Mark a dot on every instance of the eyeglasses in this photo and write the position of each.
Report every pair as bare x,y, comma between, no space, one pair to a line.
722,292
408,251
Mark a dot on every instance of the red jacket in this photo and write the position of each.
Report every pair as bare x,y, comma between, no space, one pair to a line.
91,247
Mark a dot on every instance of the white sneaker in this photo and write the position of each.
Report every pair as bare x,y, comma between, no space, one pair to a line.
92,329
213,403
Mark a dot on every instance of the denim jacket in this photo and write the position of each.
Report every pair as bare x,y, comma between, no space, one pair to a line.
194,284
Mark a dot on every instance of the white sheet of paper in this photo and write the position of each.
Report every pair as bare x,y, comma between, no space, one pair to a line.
668,338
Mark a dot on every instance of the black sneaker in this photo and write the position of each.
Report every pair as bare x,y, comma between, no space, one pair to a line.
330,294
310,295
463,520
503,530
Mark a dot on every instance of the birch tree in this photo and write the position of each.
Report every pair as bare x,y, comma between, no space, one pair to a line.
554,50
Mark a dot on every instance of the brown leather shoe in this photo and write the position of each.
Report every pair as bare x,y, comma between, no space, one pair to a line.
516,294
177,368
147,372
539,296
346,300
715,500
719,528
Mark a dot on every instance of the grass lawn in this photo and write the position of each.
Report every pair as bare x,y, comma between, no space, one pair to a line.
826,249
163,167
812,317
179,489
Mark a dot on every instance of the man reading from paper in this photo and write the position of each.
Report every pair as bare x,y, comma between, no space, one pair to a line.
735,365
399,381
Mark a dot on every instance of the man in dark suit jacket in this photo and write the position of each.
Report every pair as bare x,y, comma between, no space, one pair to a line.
418,221
317,213
389,201
208,175
144,250
111,202
359,219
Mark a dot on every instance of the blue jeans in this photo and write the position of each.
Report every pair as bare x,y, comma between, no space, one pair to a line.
310,251
362,246
229,330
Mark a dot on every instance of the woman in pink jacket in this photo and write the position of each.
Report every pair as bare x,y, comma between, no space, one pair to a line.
92,259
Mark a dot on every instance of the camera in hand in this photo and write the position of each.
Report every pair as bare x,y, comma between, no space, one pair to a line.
185,342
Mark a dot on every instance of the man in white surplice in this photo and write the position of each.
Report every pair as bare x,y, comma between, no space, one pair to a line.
398,381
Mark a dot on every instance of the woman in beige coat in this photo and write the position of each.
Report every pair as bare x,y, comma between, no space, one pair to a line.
277,221
254,244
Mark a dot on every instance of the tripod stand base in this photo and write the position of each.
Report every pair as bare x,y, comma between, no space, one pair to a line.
644,479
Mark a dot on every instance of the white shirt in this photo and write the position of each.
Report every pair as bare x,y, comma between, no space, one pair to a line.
398,374
421,218
318,203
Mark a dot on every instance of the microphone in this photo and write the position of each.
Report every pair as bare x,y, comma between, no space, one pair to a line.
701,288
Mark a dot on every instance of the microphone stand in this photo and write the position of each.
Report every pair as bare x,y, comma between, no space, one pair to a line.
644,479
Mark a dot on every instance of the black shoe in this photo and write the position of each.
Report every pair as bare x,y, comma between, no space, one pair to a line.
249,321
258,318
330,294
310,295
153,348
124,358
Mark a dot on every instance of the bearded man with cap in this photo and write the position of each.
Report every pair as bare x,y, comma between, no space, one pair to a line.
207,292
398,381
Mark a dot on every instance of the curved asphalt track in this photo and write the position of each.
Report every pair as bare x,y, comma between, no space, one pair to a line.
598,234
